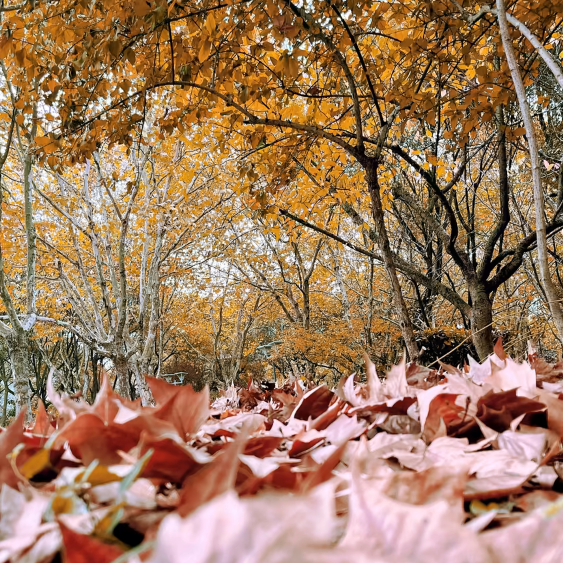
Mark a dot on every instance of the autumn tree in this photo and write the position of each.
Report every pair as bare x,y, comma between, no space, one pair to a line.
391,132
21,311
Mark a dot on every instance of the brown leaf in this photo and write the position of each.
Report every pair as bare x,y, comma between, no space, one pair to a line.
499,350
498,410
374,384
325,471
536,499
432,485
304,441
266,529
288,402
512,376
107,402
343,429
525,445
535,538
327,417
554,411
494,487
400,424
404,532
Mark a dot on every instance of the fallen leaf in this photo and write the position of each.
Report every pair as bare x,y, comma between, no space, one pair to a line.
213,479
10,439
78,548
314,403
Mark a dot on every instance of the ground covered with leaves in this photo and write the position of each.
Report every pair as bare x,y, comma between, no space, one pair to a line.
422,465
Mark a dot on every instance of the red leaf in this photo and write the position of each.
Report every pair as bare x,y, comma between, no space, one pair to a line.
161,390
91,439
78,548
443,413
107,402
324,471
9,439
169,461
42,426
261,446
499,350
314,403
214,479
187,410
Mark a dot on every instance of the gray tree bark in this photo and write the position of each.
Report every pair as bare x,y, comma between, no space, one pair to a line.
383,240
539,199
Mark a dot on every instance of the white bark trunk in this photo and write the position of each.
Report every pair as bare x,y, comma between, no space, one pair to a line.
539,200
122,373
551,63
22,371
341,286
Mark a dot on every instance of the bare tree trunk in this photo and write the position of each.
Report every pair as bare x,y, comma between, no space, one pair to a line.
539,200
341,285
5,403
481,321
552,64
31,236
369,316
122,373
241,336
84,378
142,385
399,301
22,370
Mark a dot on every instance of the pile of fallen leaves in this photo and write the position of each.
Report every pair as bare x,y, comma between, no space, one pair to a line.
448,465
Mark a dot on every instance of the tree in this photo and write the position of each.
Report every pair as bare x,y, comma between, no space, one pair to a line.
326,92
118,217
343,165
17,331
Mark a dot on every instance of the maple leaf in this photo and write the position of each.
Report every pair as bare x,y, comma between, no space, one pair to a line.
187,410
10,438
259,526
78,548
214,479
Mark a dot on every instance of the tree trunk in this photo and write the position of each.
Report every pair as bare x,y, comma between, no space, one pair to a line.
369,316
400,305
22,370
306,305
341,286
141,368
481,321
5,403
539,199
122,373
30,233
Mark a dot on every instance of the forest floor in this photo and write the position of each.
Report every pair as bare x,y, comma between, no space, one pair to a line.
419,466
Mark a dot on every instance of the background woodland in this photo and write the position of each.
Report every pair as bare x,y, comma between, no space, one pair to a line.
212,192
